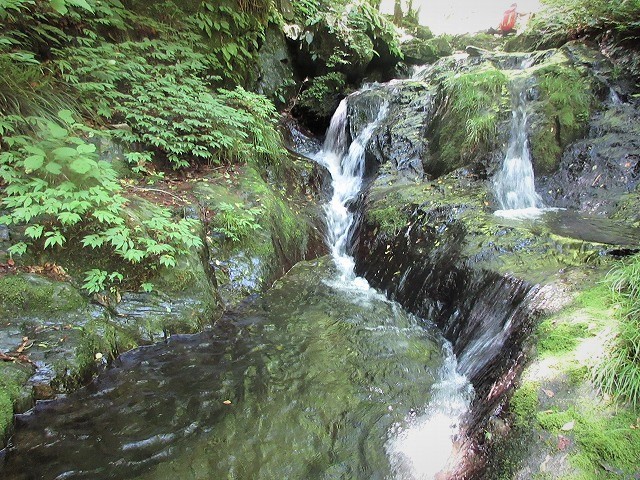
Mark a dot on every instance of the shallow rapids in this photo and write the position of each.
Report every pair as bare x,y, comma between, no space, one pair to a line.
307,383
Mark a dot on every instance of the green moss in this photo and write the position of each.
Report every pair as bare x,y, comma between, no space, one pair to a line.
12,393
524,403
389,219
12,291
474,100
483,40
628,208
545,149
33,293
105,337
559,337
577,374
594,299
605,439
6,414
566,102
554,420
287,226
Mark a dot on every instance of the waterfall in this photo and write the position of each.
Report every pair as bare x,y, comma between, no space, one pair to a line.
423,444
514,183
345,163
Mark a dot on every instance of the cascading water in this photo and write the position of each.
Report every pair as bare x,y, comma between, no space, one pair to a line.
514,184
420,446
345,163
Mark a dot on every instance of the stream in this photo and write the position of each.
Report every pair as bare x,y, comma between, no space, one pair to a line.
322,377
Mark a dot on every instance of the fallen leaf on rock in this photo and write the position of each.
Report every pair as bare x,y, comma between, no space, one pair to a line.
548,393
563,443
227,402
568,426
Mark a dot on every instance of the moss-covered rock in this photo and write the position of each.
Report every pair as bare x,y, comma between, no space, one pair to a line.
274,232
319,100
475,100
599,174
34,294
13,394
562,110
485,41
420,51
275,76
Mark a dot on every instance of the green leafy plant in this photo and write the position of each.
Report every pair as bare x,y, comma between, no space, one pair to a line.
160,90
234,34
473,99
65,196
322,95
573,18
235,221
360,30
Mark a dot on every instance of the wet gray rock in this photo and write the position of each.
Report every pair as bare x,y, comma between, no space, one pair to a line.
401,136
595,172
275,68
4,233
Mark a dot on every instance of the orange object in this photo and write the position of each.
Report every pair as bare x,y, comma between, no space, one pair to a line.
509,19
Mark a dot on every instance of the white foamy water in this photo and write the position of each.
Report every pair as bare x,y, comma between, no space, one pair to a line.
424,443
514,184
345,163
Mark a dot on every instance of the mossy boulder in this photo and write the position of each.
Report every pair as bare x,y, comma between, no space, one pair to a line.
268,231
33,294
275,76
419,51
485,41
566,96
13,394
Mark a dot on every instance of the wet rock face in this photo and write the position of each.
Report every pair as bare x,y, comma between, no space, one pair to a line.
485,315
401,137
275,68
596,171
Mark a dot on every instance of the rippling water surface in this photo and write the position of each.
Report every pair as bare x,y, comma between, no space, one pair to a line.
310,382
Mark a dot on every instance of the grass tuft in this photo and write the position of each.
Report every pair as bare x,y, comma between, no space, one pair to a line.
618,373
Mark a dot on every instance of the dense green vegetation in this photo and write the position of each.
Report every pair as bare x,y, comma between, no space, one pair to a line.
75,72
341,41
568,19
619,371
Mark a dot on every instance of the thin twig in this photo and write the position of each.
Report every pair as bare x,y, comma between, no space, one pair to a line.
145,189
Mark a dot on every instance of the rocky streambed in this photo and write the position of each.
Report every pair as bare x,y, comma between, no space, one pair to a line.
427,237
